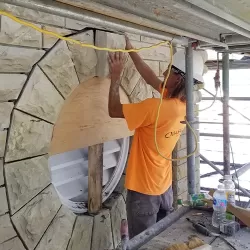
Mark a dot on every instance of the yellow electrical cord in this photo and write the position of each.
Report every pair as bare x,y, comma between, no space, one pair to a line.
68,39
213,102
158,115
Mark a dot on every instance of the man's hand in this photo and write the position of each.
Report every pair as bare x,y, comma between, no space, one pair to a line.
116,65
128,43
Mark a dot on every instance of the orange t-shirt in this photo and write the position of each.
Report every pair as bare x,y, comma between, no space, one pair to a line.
148,172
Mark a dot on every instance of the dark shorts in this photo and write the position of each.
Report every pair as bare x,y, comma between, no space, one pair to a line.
142,209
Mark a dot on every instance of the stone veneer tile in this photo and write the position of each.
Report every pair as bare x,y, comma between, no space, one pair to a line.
141,92
77,25
19,60
33,15
28,137
160,53
102,231
25,179
146,39
49,41
82,234
3,136
40,97
85,59
163,67
156,94
60,69
130,76
59,232
14,33
133,37
5,112
179,187
1,172
6,229
11,86
33,219
154,65
109,40
13,244
180,172
3,203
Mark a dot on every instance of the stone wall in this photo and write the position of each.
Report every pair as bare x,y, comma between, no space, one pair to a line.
37,74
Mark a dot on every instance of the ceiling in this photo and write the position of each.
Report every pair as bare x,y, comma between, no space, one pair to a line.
183,14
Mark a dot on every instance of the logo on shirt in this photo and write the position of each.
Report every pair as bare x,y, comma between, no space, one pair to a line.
173,133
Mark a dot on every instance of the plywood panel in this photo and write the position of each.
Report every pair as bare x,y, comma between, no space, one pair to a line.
84,119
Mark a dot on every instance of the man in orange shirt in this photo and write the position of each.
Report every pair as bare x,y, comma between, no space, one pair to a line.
149,175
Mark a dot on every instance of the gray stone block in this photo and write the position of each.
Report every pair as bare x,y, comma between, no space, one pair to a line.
141,92
58,234
28,137
5,112
33,219
6,229
25,179
3,136
40,97
19,60
60,69
48,40
33,15
109,40
102,232
13,244
3,203
1,172
14,33
10,86
82,234
85,59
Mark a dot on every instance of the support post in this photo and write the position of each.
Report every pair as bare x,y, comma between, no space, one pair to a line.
226,136
190,119
95,175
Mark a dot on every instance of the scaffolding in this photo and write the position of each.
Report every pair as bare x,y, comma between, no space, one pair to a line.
228,44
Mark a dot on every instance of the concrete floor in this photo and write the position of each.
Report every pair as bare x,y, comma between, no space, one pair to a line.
182,229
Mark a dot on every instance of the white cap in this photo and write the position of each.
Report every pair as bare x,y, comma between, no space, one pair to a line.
198,63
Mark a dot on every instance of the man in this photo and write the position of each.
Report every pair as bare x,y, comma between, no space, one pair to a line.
148,175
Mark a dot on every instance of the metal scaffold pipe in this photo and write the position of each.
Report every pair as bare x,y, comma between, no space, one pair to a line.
226,135
190,119
126,23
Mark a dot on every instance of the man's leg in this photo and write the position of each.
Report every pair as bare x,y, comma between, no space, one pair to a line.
141,211
167,200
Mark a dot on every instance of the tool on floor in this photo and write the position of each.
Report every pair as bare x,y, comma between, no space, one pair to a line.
200,228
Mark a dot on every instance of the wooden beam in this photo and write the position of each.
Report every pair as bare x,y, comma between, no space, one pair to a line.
95,175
